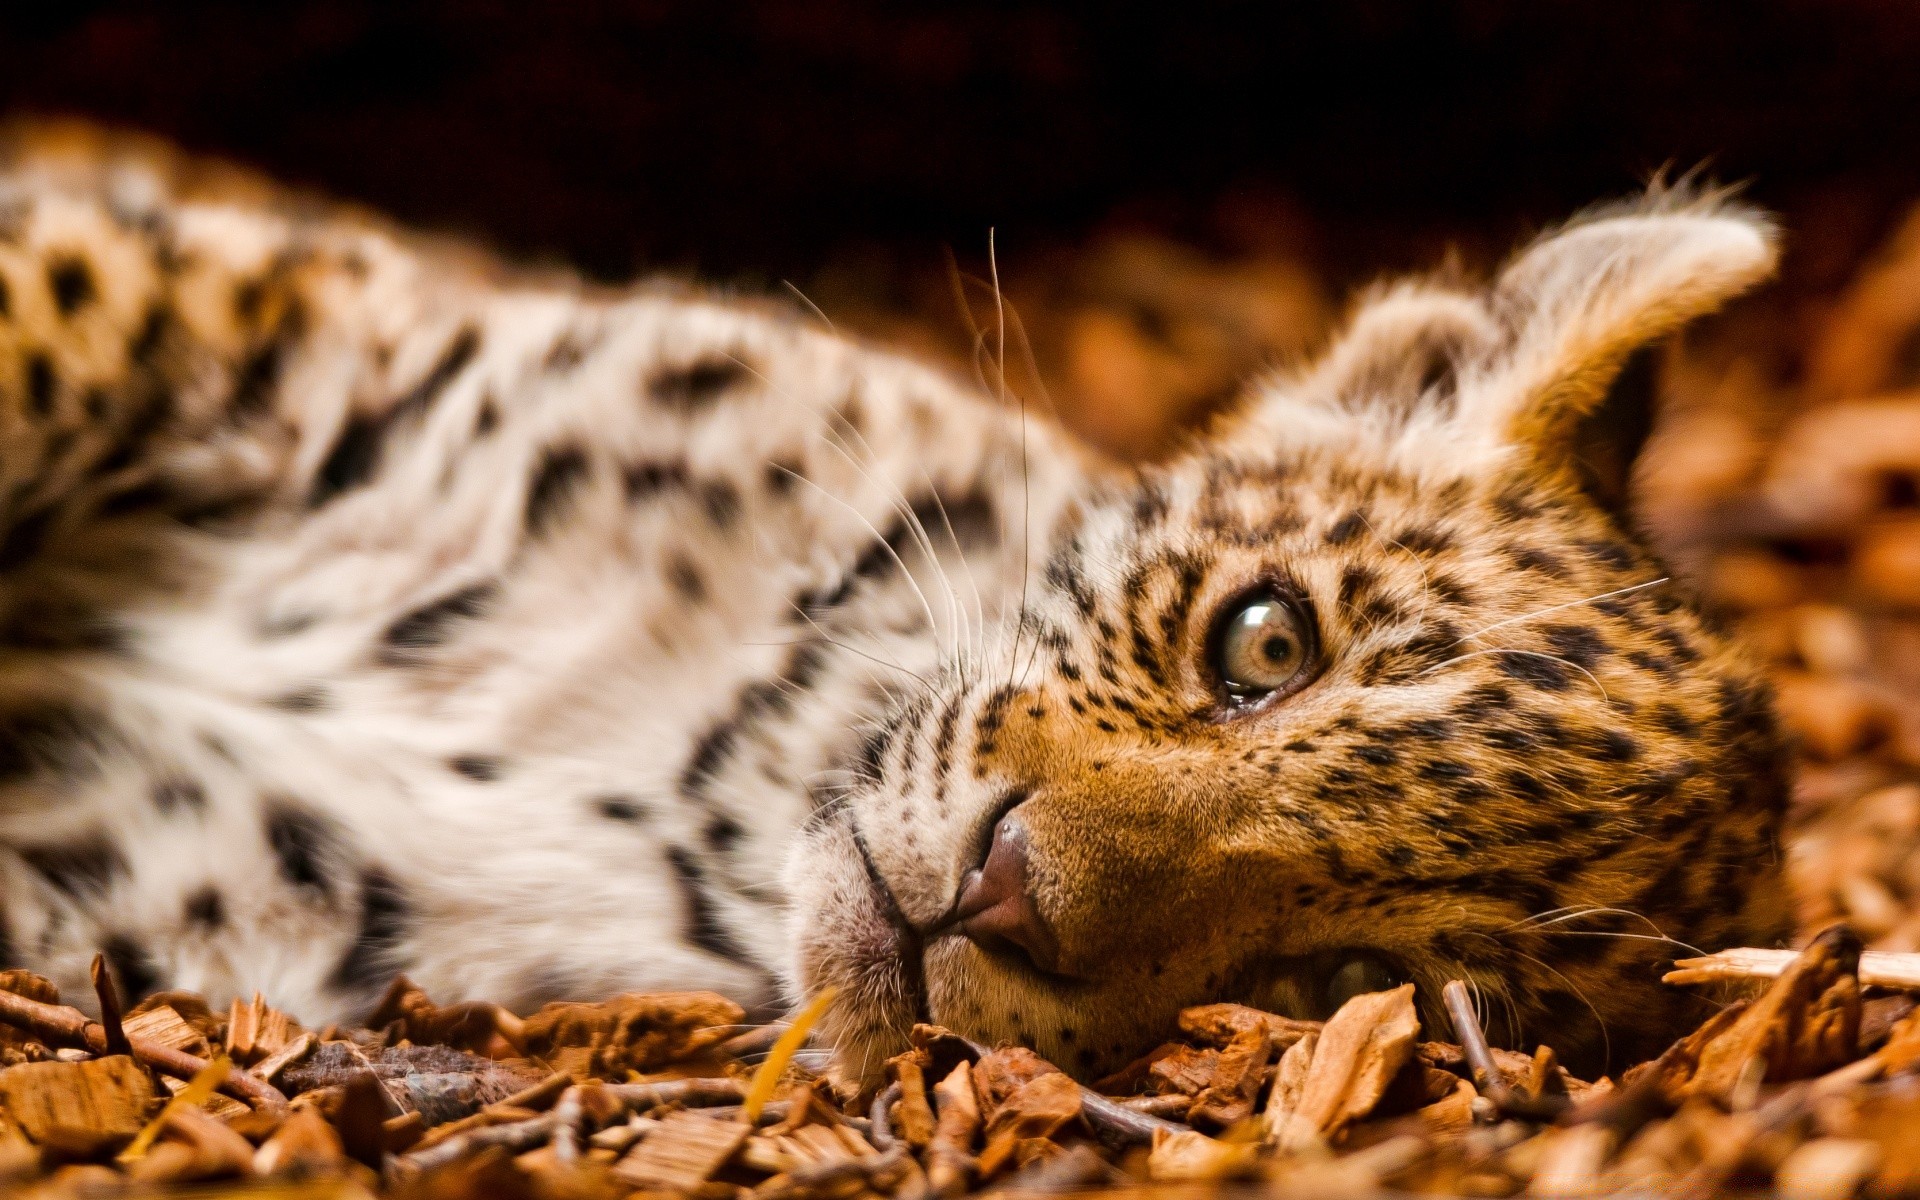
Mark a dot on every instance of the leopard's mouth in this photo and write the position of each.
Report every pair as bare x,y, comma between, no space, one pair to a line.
910,944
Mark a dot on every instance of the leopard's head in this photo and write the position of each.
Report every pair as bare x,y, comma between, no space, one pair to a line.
1369,685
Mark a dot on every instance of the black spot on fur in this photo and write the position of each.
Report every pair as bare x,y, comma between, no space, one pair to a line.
152,332
254,384
722,502
686,579
697,385
1424,539
783,474
1576,643
1346,529
352,461
1533,558
557,477
565,354
49,736
71,282
304,843
647,479
1615,746
176,793
40,384
621,808
81,868
487,419
385,916
311,698
723,833
206,907
431,624
6,298
1535,669
481,768
133,968
700,921
355,457
25,538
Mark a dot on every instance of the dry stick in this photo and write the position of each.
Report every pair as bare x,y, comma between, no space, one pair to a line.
66,1026
538,1131
109,1006
520,1135
753,1041
1111,1123
568,1113
869,1169
1486,1075
880,1118
692,1093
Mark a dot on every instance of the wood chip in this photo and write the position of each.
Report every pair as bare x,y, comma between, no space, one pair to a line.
1878,968
79,1109
1216,1025
629,1033
1037,1109
1192,1156
256,1030
305,1144
1241,1069
211,1150
1186,1071
1807,1022
1357,1054
163,1024
682,1153
950,1162
913,1115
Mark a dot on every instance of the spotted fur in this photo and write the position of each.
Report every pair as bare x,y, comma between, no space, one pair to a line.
366,607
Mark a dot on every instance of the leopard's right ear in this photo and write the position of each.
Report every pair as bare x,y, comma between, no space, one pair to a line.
1400,360
1404,349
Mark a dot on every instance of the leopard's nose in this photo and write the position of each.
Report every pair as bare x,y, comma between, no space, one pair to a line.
995,908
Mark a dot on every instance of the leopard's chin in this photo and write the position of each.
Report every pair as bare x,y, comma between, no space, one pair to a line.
848,935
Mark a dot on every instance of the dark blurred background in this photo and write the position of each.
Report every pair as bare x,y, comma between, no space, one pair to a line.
761,139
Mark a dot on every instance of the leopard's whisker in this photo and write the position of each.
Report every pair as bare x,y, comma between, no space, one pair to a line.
1569,604
808,301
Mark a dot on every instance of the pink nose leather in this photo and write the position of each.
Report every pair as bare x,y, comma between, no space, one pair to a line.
995,908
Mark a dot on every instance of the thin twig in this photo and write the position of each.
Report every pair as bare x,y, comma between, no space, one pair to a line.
109,996
58,1024
880,1118
514,1138
754,1041
689,1093
1486,1074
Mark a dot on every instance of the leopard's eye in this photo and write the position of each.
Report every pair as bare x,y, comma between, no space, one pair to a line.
1263,645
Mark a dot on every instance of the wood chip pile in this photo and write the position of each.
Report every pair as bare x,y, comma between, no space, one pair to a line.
1812,1084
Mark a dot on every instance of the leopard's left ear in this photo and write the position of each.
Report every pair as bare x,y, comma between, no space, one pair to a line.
1580,300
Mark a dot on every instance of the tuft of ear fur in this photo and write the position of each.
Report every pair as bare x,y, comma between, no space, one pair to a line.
1581,299
1520,363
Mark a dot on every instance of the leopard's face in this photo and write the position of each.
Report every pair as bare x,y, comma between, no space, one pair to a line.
1364,689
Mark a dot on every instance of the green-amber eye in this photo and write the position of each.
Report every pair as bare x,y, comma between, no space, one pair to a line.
1263,646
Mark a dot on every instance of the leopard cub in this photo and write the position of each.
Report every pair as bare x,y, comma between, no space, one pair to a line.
367,607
